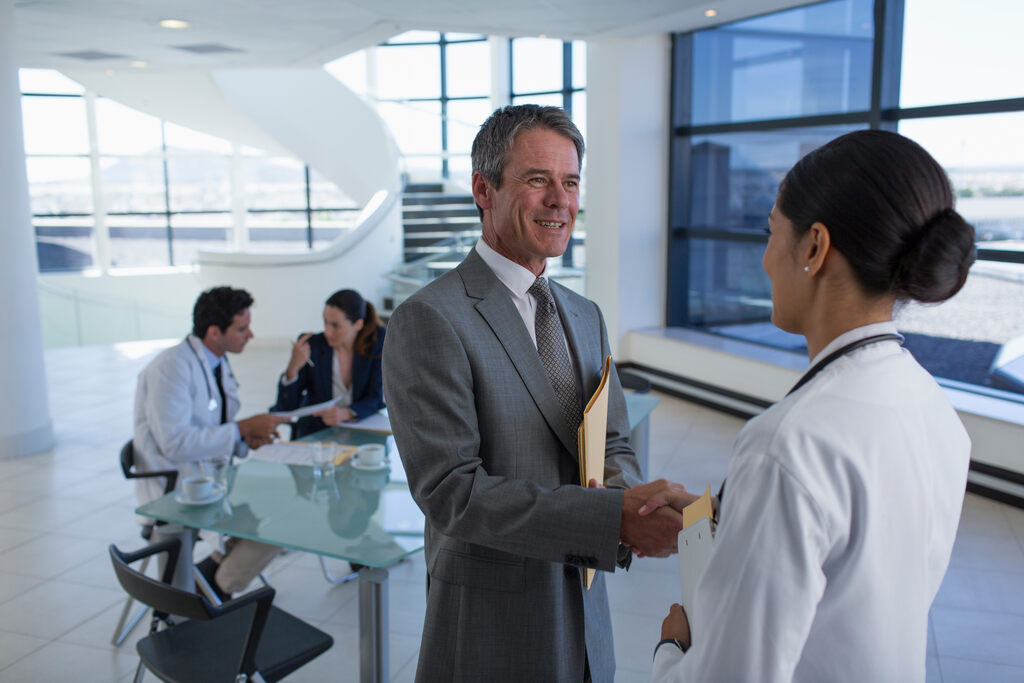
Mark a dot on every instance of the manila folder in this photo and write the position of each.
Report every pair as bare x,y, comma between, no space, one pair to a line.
591,438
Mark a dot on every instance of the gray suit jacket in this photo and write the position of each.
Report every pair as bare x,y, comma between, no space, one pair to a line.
493,466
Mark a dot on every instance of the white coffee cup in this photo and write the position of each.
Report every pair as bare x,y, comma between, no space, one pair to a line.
197,488
371,455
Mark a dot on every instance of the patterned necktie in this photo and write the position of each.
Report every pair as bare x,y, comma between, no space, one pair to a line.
553,354
220,388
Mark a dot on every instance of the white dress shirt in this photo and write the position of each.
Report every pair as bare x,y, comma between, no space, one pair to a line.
837,522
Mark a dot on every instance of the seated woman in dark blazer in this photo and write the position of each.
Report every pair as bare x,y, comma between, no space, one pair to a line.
342,362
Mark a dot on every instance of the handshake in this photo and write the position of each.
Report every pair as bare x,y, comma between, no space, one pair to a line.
652,517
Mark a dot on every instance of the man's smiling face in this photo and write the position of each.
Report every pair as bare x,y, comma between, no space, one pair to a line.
530,218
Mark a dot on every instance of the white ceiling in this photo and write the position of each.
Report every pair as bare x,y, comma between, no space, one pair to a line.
110,34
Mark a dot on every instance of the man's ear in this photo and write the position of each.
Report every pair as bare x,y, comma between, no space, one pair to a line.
213,333
482,190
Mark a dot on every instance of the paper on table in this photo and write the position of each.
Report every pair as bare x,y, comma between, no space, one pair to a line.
305,410
299,453
377,422
591,439
695,543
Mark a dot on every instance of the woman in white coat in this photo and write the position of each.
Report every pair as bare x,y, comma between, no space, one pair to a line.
840,508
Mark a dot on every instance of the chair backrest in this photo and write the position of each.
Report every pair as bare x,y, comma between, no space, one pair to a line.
160,595
129,471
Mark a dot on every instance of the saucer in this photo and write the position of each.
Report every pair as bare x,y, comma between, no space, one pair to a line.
384,464
214,496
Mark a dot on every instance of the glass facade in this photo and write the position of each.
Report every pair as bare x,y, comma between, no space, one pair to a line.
751,98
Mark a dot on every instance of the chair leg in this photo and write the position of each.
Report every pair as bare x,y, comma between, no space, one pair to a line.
139,673
344,578
121,631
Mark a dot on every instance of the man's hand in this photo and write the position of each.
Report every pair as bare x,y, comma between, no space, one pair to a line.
259,429
335,415
676,496
299,357
676,625
655,533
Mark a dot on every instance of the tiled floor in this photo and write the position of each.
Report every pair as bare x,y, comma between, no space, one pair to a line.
59,600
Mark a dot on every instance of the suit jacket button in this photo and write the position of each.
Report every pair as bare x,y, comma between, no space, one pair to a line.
570,572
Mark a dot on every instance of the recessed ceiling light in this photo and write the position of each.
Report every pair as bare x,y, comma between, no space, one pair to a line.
710,13
139,64
173,23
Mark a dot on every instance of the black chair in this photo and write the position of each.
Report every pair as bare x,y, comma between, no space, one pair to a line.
124,624
244,638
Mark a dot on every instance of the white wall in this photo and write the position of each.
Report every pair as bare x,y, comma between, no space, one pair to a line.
627,181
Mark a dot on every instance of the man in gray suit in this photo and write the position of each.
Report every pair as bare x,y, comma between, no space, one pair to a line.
486,426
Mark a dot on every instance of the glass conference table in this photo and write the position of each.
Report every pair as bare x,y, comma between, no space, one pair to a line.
362,516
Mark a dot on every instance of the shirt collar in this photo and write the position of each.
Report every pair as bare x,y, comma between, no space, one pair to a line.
213,359
514,276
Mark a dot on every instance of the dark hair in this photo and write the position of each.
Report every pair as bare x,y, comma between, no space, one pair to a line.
888,207
498,133
218,306
355,307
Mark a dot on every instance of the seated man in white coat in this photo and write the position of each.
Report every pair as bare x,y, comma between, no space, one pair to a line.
185,407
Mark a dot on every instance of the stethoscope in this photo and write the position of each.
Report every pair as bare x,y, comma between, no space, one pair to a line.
821,365
212,405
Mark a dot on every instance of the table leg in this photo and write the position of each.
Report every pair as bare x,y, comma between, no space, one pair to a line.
183,572
373,625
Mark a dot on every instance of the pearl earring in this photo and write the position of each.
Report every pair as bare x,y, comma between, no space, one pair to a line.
807,269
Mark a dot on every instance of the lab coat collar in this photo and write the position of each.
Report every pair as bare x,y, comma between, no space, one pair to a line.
857,333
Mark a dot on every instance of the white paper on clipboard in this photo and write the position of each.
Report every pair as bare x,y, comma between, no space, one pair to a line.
694,552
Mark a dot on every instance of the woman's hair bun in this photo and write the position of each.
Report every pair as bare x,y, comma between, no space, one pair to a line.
935,260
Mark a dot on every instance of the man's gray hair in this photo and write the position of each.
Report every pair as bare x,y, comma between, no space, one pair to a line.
493,142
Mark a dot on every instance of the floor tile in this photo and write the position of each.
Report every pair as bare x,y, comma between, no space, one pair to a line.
972,671
977,635
58,661
54,608
15,646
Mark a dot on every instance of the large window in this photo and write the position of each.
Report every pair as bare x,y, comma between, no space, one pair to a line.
112,187
751,97
434,89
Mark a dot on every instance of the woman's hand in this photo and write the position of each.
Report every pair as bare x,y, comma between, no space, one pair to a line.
335,415
299,357
676,625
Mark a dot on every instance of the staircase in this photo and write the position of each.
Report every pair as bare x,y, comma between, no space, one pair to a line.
432,217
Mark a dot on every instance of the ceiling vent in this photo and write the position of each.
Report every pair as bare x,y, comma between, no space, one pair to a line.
91,55
207,48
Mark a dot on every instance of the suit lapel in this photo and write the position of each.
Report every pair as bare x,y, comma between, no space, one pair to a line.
496,307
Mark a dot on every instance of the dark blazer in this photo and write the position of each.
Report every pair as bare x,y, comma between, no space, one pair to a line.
492,463
314,384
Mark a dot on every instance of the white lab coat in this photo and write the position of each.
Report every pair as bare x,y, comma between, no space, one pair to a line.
174,423
837,522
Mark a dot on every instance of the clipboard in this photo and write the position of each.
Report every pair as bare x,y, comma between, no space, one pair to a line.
695,544
591,439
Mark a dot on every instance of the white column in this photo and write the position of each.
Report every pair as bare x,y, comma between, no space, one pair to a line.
626,169
500,79
25,425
